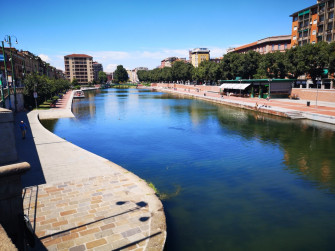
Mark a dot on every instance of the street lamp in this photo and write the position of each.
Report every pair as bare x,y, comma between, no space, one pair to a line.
8,40
240,87
269,80
6,74
2,94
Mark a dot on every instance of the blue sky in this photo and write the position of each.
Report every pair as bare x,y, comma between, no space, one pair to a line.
141,33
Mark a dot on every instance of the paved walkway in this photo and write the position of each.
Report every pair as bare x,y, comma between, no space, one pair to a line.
88,202
323,112
62,108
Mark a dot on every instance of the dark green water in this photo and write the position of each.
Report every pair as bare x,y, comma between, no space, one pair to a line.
244,181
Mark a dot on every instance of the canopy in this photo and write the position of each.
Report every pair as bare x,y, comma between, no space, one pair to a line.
234,86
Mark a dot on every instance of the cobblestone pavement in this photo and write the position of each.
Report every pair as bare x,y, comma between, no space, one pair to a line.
97,213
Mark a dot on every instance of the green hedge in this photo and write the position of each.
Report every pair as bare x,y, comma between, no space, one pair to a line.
44,106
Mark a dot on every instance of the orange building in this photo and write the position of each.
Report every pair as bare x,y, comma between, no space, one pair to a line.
266,45
313,24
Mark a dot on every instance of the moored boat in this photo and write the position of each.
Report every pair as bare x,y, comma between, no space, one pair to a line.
79,94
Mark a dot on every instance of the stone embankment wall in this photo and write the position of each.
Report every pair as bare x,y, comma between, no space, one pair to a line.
19,100
310,94
11,209
8,152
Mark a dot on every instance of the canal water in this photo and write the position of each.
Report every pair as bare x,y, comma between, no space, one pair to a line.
232,179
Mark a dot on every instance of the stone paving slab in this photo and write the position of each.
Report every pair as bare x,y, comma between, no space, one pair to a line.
97,213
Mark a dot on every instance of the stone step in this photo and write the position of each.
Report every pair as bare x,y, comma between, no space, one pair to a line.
295,115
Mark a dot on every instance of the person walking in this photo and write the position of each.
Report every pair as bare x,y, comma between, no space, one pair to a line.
23,128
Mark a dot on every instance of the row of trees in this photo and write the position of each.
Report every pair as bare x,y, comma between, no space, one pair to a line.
313,60
45,87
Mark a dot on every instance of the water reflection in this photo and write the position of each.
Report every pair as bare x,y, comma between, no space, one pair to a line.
251,181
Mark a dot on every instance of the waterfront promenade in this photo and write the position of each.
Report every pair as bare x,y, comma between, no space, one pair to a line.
322,111
77,200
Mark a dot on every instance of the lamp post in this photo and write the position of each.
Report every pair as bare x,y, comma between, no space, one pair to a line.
269,88
2,94
240,87
8,40
6,75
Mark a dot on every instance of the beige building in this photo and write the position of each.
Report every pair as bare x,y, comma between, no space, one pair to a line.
132,74
80,67
198,55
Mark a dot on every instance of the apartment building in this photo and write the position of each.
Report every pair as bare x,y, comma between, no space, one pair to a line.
266,45
198,55
25,63
79,67
97,67
132,74
313,24
167,62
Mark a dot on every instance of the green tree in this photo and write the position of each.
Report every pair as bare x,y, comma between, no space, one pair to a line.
331,53
314,59
207,71
231,66
166,74
272,65
120,74
102,76
74,82
143,75
181,71
44,86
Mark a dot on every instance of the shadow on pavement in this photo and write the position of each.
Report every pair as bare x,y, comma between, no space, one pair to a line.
27,151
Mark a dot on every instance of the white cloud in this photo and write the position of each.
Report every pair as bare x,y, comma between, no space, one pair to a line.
130,59
45,58
110,68
217,52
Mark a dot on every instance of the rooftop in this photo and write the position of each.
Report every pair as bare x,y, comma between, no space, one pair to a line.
265,40
78,56
307,8
200,50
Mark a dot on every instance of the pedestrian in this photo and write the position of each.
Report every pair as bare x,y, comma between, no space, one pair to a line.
23,128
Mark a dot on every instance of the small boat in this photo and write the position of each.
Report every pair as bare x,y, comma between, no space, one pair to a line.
79,94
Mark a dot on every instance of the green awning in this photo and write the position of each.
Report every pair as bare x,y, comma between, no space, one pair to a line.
303,13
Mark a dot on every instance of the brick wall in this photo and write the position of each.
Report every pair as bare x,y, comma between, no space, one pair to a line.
310,94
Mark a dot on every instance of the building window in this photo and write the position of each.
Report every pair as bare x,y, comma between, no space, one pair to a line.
278,47
331,15
313,42
295,18
273,47
285,46
314,32
295,28
294,37
315,21
329,38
